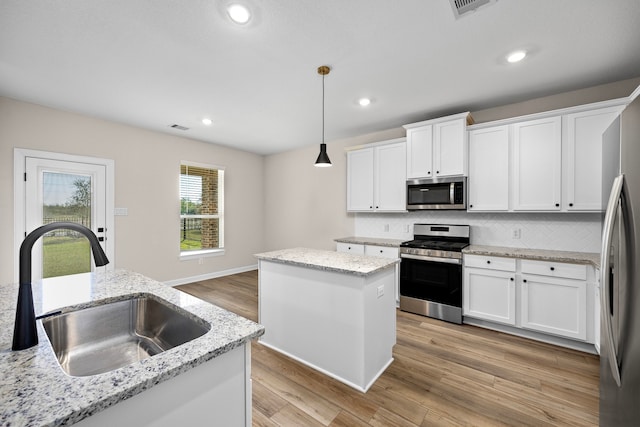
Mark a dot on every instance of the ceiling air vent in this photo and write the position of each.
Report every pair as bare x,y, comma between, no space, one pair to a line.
178,127
461,7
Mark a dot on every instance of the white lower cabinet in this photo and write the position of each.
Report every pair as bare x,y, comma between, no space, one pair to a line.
490,295
353,248
549,297
555,306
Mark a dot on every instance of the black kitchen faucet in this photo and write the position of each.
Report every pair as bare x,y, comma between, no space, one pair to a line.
25,334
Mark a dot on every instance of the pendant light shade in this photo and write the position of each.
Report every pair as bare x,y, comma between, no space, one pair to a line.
323,159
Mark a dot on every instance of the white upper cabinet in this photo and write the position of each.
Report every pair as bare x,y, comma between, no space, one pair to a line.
420,152
489,169
390,177
438,147
360,180
450,148
537,151
582,165
547,162
376,177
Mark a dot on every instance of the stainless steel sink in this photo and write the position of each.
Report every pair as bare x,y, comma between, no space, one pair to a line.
106,337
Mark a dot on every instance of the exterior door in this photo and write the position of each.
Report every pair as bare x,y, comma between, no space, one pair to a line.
59,190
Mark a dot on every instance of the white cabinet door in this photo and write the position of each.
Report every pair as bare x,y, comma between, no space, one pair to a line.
554,305
360,180
449,148
537,150
420,152
489,295
390,177
583,158
489,169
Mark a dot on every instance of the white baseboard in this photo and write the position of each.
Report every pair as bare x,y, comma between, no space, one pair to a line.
212,275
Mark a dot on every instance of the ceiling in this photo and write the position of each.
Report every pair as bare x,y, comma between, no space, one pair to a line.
154,63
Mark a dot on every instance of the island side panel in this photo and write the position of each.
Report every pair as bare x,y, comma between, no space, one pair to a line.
380,323
319,318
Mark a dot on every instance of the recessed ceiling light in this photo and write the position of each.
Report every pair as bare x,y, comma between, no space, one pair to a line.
239,13
516,56
364,102
206,121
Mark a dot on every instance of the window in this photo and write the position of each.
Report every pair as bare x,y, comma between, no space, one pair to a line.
201,209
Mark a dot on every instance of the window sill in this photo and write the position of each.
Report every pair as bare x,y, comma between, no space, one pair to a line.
186,256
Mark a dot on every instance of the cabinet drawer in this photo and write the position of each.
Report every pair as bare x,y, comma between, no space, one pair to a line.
554,269
353,248
490,262
382,251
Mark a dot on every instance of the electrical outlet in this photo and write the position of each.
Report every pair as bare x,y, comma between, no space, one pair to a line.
515,233
406,228
380,291
200,260
386,228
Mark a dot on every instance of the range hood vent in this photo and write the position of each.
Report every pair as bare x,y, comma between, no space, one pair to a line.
462,7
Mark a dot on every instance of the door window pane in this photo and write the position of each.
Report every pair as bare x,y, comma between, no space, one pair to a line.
66,197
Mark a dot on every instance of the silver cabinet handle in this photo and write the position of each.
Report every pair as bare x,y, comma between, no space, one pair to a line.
607,235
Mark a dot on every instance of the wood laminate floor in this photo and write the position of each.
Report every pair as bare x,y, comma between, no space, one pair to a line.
443,375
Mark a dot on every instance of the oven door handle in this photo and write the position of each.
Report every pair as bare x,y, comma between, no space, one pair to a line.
431,258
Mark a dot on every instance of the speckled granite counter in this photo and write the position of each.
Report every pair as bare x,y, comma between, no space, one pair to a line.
536,254
394,243
34,391
340,262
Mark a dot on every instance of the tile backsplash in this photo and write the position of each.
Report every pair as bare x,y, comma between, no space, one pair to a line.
578,232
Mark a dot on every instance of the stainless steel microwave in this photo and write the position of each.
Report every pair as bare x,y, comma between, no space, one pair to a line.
437,193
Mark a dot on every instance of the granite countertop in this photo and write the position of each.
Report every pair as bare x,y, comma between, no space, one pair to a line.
339,262
536,254
394,243
35,391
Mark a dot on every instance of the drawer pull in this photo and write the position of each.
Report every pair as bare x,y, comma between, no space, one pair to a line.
488,261
524,280
553,268
511,278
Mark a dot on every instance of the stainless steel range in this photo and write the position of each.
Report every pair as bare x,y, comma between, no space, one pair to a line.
431,271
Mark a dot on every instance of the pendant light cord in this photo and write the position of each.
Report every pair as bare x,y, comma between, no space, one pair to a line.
323,108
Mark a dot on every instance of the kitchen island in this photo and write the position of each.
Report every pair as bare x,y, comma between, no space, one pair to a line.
332,311
204,381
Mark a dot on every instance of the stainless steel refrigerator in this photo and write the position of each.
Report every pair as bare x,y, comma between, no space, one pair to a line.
620,273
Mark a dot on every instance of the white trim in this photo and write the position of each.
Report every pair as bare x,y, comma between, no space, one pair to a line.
19,197
634,95
201,165
618,102
214,275
437,120
375,144
187,255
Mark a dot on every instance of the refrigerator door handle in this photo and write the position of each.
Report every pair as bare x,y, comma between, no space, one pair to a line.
605,277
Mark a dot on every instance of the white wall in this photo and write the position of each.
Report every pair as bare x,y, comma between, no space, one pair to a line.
146,180
307,206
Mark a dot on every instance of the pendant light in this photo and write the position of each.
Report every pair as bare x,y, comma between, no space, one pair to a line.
323,159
